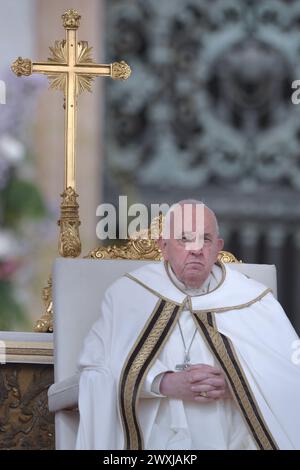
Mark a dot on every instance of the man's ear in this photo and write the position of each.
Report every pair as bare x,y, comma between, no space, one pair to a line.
220,244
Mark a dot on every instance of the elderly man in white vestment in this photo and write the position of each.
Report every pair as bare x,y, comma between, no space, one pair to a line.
189,354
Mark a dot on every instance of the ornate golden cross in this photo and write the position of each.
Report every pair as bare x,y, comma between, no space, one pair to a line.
72,70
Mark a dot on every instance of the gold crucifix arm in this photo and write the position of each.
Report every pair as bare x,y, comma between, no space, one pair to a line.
117,70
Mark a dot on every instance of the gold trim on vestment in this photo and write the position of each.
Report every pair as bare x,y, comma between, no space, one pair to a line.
156,332
209,310
236,379
153,291
248,385
235,307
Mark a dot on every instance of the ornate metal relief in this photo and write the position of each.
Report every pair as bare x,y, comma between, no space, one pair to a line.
209,103
143,247
25,421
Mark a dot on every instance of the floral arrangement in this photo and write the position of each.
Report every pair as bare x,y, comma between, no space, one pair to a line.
20,199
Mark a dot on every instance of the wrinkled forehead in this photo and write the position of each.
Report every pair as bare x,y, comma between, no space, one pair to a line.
186,218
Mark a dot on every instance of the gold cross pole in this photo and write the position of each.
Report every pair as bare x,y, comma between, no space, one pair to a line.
72,70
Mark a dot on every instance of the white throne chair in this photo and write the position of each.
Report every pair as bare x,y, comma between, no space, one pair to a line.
78,289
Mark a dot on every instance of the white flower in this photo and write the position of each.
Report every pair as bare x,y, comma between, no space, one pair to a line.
8,245
11,149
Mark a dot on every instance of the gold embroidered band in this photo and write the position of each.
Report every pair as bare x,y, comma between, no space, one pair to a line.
142,355
223,350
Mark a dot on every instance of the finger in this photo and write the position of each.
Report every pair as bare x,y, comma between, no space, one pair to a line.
202,388
200,376
197,377
216,382
205,368
216,394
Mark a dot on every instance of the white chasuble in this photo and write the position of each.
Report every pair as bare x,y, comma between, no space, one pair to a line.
240,328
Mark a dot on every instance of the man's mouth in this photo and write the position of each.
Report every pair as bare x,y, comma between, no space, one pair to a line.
194,263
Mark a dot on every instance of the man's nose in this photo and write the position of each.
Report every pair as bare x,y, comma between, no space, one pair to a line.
196,251
195,248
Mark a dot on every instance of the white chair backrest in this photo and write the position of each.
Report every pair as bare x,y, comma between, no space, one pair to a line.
78,289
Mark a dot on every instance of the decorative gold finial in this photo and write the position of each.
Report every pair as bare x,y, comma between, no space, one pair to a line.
71,19
22,67
120,71
69,240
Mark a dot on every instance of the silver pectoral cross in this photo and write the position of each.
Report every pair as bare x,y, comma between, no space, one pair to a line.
186,363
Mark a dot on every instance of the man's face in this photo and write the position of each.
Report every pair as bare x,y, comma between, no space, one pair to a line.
193,265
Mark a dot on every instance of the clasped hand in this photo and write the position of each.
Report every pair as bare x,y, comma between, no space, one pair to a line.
187,384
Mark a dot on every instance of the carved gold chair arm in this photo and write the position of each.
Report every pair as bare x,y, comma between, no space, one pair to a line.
143,250
45,323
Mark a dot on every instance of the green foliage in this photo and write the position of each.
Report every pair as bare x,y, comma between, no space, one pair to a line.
11,312
21,200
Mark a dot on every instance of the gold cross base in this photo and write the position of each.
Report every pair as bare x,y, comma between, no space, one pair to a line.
69,244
